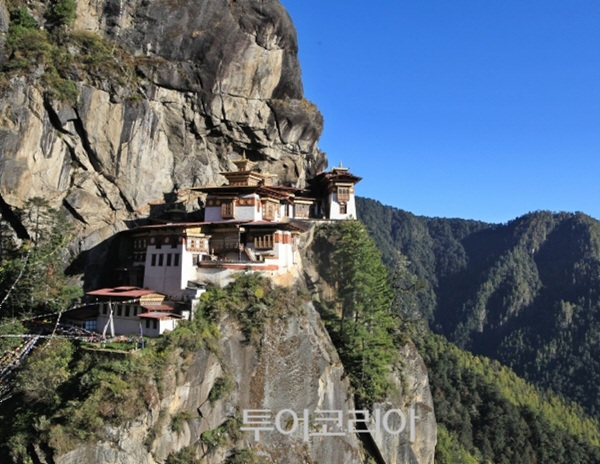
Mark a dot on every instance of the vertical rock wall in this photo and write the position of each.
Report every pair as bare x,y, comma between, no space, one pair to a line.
204,81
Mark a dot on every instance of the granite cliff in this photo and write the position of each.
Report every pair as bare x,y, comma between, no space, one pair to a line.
179,87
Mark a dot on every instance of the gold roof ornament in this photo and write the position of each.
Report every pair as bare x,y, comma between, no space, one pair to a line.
340,168
244,164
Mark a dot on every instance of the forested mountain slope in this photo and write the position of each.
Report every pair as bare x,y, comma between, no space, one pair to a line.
486,413
525,293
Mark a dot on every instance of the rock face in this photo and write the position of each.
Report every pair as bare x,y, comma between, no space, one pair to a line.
214,78
413,395
295,369
292,365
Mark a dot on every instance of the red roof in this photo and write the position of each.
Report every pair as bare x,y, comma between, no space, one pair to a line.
157,307
121,292
159,315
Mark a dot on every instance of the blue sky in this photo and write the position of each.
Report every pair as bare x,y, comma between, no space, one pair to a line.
480,109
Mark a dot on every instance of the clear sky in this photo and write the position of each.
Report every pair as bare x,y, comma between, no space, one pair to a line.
478,109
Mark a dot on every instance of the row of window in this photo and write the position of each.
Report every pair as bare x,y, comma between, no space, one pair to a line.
343,194
269,210
302,210
161,259
140,243
160,241
264,242
121,310
199,243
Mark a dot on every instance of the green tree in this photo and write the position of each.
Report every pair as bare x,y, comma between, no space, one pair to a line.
45,370
64,12
22,18
362,326
31,275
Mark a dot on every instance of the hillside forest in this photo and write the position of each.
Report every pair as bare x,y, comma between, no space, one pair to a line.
524,293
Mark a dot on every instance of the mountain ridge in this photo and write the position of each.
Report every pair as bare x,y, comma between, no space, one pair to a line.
523,292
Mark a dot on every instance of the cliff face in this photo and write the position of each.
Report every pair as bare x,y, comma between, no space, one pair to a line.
410,383
288,362
195,82
295,368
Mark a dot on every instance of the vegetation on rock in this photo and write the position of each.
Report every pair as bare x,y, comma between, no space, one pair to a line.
359,316
67,395
31,270
253,300
62,57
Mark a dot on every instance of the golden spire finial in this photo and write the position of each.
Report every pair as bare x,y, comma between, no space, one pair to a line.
244,164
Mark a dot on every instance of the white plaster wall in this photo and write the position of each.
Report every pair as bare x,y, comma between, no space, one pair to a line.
164,279
284,253
123,325
334,208
166,324
247,213
188,270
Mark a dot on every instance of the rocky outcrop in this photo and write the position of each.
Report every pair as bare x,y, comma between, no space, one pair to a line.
295,368
210,79
416,443
292,365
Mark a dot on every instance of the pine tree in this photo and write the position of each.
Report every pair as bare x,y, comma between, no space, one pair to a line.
364,330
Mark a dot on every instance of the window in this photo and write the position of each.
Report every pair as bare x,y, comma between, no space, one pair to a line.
269,210
147,323
227,210
343,208
176,259
153,259
155,324
160,259
104,309
119,310
127,311
302,210
343,194
263,242
169,258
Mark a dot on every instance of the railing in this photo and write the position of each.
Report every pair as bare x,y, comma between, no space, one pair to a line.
224,245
